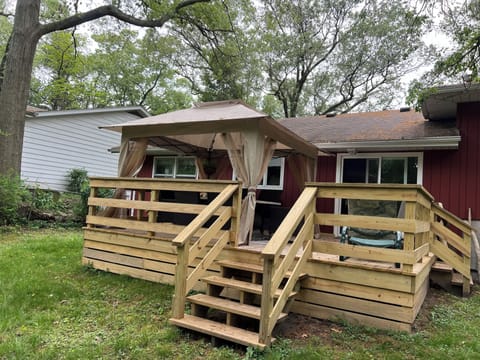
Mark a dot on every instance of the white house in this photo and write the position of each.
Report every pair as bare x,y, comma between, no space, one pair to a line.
56,142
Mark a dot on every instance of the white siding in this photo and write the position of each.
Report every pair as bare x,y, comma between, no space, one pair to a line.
53,146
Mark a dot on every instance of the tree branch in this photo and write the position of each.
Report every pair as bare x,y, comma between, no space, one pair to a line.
110,10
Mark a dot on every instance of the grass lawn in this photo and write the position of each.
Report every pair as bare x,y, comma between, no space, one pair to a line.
52,307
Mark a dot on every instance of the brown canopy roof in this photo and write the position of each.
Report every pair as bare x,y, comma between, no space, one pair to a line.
192,130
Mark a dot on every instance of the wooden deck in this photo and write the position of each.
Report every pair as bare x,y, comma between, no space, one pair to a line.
367,288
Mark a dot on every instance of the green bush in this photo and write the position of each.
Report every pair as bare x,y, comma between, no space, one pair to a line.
13,194
77,178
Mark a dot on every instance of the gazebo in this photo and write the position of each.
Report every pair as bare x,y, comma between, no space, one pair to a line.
249,136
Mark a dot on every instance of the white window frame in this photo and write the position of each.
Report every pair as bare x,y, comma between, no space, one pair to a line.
175,168
341,157
263,183
339,170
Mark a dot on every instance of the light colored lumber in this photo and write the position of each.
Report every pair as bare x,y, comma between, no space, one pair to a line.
142,253
286,262
181,273
113,258
151,205
160,184
372,222
222,331
421,251
441,266
451,218
365,252
131,239
368,307
229,306
137,225
237,284
325,313
209,233
451,258
191,229
126,270
289,286
206,262
288,225
359,291
453,239
355,275
420,296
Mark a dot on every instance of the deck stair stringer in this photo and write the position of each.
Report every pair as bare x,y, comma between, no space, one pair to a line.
445,276
231,308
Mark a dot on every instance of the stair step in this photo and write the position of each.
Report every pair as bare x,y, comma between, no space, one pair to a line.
220,330
250,267
457,279
441,266
229,306
239,285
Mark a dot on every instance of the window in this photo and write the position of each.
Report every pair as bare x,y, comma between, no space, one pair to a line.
392,168
175,167
273,177
378,169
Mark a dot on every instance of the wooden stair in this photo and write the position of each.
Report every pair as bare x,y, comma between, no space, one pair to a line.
447,278
230,309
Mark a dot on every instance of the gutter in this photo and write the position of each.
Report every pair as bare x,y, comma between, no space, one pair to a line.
431,143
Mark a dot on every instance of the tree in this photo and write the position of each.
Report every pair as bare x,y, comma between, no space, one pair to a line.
17,62
333,56
220,57
461,23
60,73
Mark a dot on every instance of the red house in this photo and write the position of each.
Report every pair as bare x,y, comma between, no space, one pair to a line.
438,148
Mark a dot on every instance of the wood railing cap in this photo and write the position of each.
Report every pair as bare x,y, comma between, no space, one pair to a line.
417,187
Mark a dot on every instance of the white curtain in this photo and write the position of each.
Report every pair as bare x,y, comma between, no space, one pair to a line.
249,158
130,161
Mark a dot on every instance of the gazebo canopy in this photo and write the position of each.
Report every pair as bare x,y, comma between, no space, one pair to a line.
195,130
250,137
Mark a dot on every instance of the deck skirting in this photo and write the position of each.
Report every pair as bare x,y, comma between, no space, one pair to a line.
333,290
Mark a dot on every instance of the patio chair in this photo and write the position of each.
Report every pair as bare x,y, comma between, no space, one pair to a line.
372,237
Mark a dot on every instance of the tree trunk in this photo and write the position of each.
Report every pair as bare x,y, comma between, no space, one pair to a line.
16,83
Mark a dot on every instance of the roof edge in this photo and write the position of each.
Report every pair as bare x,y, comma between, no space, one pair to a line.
139,110
431,143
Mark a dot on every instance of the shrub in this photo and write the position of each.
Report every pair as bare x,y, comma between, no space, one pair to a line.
77,178
13,194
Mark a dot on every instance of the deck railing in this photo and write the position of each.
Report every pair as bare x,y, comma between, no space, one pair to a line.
198,242
278,260
414,223
451,240
144,207
189,249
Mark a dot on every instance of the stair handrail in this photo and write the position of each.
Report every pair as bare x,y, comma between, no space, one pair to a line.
276,266
453,249
187,250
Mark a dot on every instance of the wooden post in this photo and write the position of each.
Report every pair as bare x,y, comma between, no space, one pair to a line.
91,209
181,273
236,213
466,261
140,197
152,215
409,238
264,336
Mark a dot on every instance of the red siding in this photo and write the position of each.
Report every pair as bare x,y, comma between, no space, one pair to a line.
452,176
326,168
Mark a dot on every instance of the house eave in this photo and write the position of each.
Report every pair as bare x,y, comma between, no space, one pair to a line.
138,110
432,143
